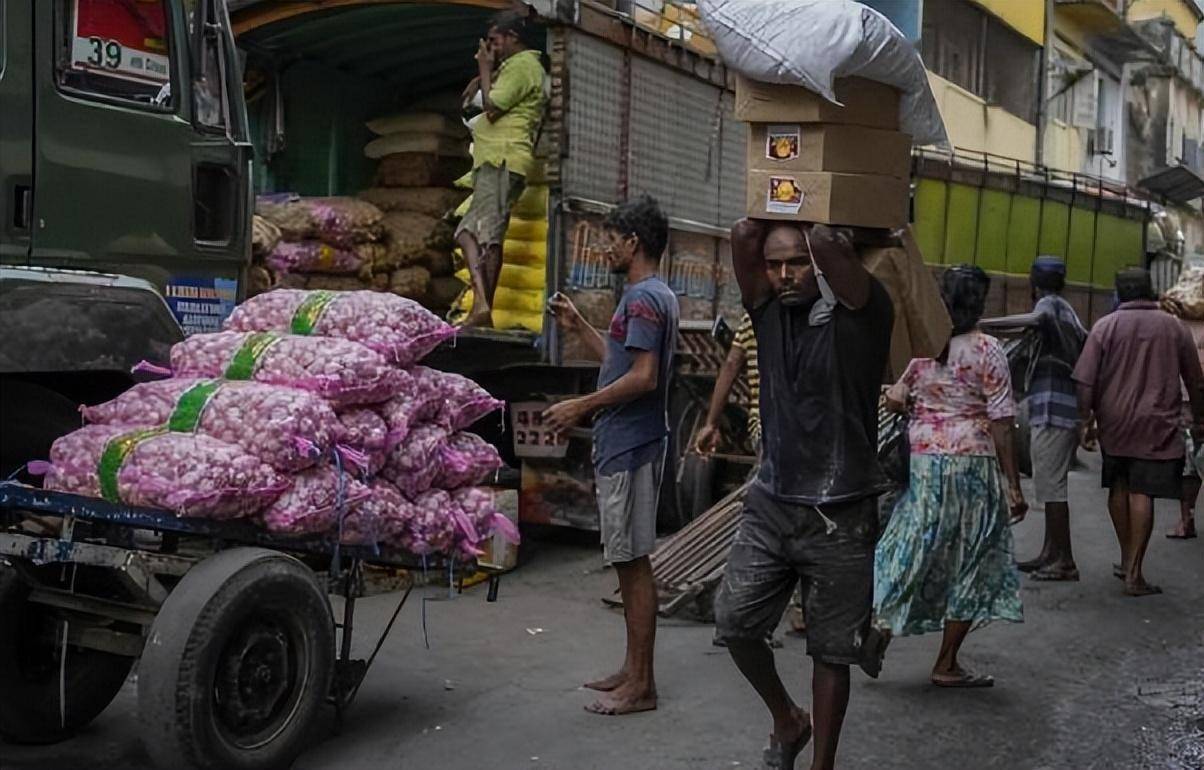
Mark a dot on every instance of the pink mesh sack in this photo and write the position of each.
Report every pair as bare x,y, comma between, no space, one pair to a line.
431,527
190,475
311,506
398,328
414,464
366,434
338,370
465,459
286,428
383,516
314,257
451,399
478,505
405,411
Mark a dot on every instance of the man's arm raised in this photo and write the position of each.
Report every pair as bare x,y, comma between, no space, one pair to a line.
748,261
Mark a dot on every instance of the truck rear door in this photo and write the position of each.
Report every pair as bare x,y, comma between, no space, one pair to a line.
16,130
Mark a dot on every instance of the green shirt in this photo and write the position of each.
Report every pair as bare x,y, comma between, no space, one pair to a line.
518,93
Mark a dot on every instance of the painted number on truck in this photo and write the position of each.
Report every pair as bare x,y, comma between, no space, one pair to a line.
532,437
121,39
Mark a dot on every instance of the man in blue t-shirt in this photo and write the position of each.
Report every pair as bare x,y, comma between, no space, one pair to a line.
631,430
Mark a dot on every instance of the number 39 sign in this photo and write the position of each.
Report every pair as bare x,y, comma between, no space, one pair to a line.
125,39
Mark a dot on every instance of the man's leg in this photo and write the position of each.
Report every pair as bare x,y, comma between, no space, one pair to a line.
1187,509
754,658
1118,509
1141,526
1061,564
829,700
482,297
637,689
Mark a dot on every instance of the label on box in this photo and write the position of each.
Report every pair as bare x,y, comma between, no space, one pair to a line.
784,196
782,142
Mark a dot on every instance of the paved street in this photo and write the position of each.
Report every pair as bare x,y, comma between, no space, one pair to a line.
1090,680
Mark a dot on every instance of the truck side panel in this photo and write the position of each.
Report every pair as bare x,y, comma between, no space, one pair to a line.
16,129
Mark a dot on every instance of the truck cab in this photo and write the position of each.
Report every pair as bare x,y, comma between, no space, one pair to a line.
124,198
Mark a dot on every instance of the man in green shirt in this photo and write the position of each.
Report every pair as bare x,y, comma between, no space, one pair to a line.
503,140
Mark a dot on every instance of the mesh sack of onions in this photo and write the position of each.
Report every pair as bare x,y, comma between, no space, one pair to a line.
398,328
286,428
465,459
367,435
314,257
452,400
190,475
338,370
311,506
479,506
414,464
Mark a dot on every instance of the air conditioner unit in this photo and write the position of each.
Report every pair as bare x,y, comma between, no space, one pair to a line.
1101,141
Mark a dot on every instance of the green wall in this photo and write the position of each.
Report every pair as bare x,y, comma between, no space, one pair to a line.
1003,232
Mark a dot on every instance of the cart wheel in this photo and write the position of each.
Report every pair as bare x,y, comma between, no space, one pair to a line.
696,487
31,670
238,664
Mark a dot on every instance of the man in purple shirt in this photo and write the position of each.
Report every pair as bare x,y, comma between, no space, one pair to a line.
1128,379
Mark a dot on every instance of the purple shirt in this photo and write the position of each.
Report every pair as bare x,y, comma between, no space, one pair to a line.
1130,372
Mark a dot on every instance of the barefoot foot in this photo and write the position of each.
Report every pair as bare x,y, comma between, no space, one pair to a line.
627,699
478,320
1141,588
606,684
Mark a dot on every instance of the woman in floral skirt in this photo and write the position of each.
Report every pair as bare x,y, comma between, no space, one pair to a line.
945,561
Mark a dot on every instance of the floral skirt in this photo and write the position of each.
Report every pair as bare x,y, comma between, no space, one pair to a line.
946,553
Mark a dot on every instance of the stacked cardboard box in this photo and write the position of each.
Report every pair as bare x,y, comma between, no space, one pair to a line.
815,161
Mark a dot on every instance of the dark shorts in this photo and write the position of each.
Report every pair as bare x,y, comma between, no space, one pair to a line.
1156,478
777,545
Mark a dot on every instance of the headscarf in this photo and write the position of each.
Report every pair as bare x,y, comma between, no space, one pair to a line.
1134,283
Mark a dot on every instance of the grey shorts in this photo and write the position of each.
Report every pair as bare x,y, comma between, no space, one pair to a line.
779,544
627,503
494,191
1052,453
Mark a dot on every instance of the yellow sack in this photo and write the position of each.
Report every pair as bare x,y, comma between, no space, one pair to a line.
532,204
464,182
529,299
519,277
530,253
503,318
527,230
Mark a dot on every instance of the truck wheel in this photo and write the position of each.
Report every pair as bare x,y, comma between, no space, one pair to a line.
31,671
696,489
237,665
33,417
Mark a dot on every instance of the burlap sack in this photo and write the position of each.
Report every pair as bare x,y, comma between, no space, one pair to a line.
432,201
417,169
440,124
411,282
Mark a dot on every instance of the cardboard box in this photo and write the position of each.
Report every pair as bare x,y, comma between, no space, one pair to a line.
866,103
861,200
828,147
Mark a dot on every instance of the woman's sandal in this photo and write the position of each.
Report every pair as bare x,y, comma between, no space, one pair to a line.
966,680
1050,574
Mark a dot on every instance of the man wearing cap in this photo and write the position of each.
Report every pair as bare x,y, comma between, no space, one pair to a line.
1128,379
1053,412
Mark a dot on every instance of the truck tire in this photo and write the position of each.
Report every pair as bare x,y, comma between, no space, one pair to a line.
696,488
30,671
31,418
237,665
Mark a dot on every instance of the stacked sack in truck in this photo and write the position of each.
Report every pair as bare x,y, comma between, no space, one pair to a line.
310,416
325,243
522,292
421,153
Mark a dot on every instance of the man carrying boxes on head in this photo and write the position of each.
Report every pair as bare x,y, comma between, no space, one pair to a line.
823,326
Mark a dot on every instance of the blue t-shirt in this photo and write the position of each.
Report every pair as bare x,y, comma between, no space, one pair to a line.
645,320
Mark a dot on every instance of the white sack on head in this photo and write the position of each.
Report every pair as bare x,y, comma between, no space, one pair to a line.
810,43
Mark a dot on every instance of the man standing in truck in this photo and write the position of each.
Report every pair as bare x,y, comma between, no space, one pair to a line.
631,431
823,327
511,84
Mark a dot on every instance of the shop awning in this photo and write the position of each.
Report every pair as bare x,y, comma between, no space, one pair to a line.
1177,183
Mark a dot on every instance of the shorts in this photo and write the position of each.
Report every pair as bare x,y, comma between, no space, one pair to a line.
1052,452
627,503
778,544
494,191
1155,478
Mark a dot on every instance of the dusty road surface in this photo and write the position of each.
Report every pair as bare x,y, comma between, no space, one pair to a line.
1091,680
